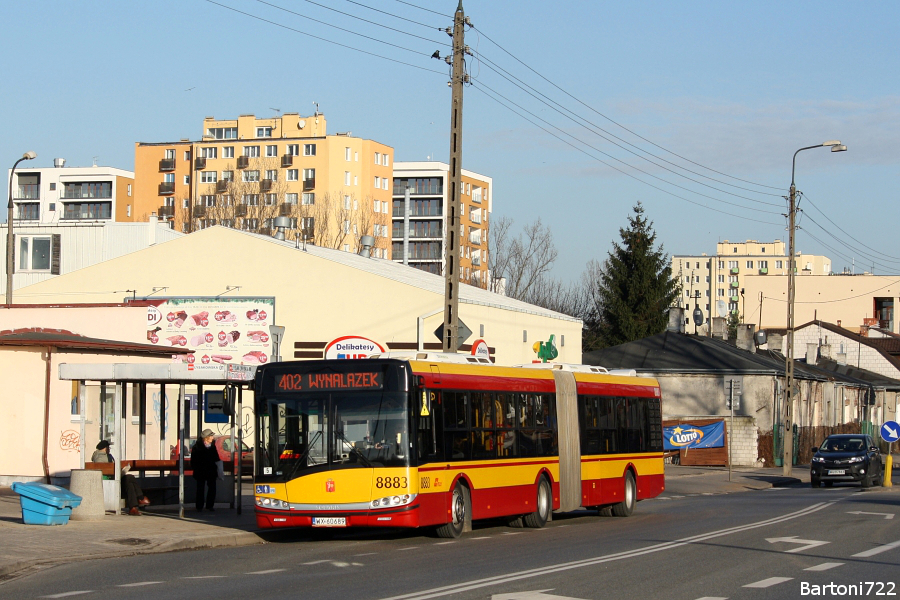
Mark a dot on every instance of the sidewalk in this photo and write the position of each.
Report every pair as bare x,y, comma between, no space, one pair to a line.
159,529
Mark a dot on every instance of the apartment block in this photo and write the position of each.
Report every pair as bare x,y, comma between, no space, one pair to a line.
716,284
246,172
425,237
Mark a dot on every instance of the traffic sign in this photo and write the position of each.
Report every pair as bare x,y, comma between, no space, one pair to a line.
890,431
463,333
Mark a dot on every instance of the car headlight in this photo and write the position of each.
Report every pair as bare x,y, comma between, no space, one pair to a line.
857,459
818,459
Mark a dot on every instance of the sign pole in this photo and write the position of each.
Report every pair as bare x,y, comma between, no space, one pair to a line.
731,427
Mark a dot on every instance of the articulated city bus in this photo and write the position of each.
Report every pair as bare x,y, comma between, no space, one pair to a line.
435,440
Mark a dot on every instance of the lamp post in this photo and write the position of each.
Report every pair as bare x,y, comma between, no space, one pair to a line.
9,228
787,408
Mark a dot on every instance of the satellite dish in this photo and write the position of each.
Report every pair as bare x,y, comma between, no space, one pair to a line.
301,123
721,309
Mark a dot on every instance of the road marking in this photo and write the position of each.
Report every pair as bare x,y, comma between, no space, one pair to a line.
65,594
859,512
823,567
410,548
366,554
484,537
533,595
877,550
444,543
314,562
272,570
511,532
677,496
768,582
203,576
713,598
793,540
139,584
465,586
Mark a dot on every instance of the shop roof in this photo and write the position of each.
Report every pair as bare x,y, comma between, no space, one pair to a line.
67,340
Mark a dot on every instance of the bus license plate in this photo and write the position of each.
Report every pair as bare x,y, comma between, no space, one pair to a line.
837,472
329,522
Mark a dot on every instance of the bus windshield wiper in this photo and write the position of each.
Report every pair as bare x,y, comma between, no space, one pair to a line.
304,455
354,450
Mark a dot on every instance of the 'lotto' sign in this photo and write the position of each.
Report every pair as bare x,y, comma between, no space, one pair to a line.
351,346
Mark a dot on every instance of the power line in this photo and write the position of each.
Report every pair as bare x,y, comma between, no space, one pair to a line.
489,65
888,256
586,153
480,84
617,123
270,22
384,12
425,9
870,292
874,262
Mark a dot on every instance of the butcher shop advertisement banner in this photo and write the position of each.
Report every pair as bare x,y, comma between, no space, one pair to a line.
218,330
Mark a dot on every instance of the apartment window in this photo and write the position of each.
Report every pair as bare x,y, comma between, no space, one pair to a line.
128,211
346,177
355,204
185,203
208,176
347,154
293,150
735,250
227,201
721,264
309,199
272,150
377,182
170,154
251,176
292,174
721,279
263,132
779,264
250,224
763,264
290,198
346,247
384,206
187,180
251,199
309,174
749,264
271,199
251,151
732,264
385,160
34,253
763,250
227,175
228,152
732,278
309,149
187,155
207,200
346,227
377,207
346,202
209,152
228,223
169,177
355,180
222,133
272,174
384,183
307,224
378,158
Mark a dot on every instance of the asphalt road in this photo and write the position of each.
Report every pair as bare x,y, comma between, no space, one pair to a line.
759,544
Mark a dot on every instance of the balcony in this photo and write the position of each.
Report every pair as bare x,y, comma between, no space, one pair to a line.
475,216
265,231
309,185
199,163
285,210
240,210
735,284
29,211
265,185
167,164
28,191
287,160
166,211
734,270
735,298
222,186
763,271
199,212
243,162
167,188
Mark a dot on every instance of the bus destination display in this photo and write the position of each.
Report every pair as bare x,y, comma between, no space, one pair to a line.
309,382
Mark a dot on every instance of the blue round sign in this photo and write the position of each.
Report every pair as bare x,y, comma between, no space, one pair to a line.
890,431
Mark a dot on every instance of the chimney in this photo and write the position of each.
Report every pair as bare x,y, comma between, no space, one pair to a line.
676,319
841,358
719,329
825,351
151,232
775,342
745,339
59,163
812,352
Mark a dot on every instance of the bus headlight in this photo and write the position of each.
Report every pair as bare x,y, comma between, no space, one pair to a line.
393,501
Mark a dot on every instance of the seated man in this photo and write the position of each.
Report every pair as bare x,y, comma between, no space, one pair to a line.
132,492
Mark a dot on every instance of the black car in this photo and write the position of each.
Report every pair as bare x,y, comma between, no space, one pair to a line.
846,457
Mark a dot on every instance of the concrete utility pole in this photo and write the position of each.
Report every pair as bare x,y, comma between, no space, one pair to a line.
451,254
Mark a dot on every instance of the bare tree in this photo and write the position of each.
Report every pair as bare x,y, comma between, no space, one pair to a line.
523,261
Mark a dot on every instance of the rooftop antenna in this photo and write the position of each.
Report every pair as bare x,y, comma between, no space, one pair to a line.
277,111
316,114
95,160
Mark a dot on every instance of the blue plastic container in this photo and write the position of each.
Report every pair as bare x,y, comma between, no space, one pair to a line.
44,504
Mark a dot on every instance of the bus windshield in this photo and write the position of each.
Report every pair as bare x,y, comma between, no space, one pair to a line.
335,430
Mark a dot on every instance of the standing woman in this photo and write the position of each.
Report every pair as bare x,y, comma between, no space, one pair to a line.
204,457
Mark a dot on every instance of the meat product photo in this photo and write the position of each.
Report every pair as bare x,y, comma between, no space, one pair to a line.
220,358
177,340
255,357
226,316
201,319
177,318
230,338
258,336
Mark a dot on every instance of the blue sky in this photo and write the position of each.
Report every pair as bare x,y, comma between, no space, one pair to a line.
735,87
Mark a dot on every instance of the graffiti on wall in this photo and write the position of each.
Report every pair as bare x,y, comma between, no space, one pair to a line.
70,441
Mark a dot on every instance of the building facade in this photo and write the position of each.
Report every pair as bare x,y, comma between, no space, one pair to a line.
427,183
60,194
244,173
717,284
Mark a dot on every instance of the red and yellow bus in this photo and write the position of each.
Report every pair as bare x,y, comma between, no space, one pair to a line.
437,441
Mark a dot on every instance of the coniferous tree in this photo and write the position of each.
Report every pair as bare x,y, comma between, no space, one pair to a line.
636,288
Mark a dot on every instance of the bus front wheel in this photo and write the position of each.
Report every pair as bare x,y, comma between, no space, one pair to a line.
626,506
541,515
459,511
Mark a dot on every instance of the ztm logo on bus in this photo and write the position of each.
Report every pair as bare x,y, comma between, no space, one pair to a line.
685,437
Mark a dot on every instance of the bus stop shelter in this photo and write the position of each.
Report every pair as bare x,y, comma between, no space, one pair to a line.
231,378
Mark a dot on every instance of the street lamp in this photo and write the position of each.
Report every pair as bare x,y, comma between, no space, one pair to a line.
30,155
787,408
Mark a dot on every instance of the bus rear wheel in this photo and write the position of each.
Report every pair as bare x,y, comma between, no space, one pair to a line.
626,506
459,511
541,515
